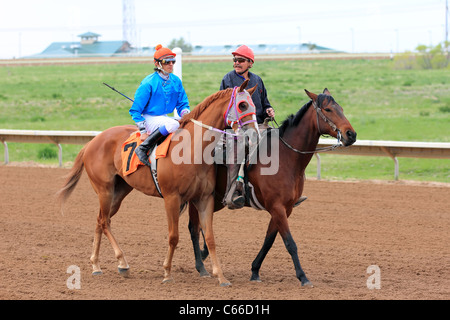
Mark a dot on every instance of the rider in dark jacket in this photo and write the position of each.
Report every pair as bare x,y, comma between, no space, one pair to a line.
243,59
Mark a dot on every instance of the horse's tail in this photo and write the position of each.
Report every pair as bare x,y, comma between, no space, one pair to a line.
71,179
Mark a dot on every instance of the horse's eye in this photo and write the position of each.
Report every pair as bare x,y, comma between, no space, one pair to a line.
243,106
327,109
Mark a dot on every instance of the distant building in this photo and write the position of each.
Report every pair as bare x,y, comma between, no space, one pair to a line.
261,49
89,46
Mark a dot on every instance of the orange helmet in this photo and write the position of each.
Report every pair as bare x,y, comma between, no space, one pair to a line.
162,52
245,52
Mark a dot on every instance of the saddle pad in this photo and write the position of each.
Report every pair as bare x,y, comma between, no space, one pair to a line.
130,161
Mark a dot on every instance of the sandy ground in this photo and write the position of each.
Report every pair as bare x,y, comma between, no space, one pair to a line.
341,230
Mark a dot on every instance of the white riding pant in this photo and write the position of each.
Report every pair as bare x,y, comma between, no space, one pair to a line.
153,123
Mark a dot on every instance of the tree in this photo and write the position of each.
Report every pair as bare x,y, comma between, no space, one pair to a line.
427,57
311,46
432,57
180,43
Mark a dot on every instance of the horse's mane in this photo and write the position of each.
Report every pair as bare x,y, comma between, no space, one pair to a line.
202,106
293,121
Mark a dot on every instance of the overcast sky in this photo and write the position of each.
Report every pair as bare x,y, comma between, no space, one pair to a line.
29,26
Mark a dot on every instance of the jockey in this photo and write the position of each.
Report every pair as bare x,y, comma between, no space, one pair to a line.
243,59
158,95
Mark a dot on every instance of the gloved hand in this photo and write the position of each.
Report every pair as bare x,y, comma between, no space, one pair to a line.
141,127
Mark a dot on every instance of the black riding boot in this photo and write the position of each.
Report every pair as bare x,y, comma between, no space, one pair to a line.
144,147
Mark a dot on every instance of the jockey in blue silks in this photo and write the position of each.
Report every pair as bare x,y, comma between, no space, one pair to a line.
158,95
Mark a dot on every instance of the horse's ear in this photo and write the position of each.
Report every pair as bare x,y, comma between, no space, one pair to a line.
325,91
313,96
251,90
243,86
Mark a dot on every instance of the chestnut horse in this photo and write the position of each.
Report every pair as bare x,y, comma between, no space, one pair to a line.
192,180
299,136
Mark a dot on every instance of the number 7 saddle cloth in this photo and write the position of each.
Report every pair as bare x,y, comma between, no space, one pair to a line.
130,161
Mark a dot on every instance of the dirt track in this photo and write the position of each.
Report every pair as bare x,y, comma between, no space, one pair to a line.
342,229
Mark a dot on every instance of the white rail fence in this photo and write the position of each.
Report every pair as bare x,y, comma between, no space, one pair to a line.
392,149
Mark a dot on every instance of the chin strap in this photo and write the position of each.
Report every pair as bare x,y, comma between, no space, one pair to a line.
241,73
160,69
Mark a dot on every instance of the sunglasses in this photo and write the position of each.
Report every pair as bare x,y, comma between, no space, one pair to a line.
240,60
168,61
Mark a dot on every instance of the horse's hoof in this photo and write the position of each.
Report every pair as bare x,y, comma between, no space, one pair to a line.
255,278
97,273
307,284
205,274
124,272
225,284
168,280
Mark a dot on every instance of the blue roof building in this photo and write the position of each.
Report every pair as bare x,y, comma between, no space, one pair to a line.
89,46
261,49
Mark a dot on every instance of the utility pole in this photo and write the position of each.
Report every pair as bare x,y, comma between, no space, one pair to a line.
129,23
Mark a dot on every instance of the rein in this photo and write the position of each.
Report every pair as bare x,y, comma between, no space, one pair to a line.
326,120
212,128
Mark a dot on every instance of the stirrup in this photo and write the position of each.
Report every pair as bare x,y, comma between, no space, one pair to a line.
238,201
299,201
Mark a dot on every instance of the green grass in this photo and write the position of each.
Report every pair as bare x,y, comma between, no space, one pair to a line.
381,102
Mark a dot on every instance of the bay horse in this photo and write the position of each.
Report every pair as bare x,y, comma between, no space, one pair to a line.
190,181
277,194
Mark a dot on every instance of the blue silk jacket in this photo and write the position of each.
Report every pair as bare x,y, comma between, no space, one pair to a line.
156,96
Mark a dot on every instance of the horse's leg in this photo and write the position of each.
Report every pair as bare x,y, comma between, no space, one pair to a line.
281,220
206,209
268,242
271,234
204,253
121,190
194,230
172,205
96,270
108,207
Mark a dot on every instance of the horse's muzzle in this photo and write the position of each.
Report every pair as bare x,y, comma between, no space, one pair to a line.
349,138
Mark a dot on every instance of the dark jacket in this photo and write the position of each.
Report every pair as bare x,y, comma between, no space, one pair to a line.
233,79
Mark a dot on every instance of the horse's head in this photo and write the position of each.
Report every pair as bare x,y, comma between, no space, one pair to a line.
230,107
331,119
241,112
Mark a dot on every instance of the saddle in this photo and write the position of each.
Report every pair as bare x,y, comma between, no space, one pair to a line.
131,162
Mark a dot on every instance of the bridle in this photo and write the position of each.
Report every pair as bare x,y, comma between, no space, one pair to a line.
327,121
230,117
